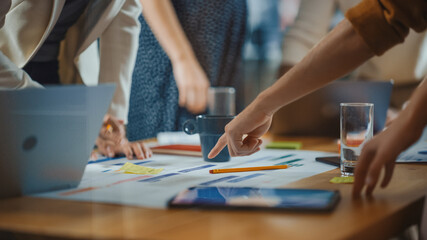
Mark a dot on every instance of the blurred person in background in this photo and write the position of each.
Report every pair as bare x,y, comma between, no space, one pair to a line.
267,21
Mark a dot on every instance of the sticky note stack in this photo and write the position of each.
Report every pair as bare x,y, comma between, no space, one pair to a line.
284,145
342,180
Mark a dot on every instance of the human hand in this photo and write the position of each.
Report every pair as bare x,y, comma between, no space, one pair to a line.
382,151
192,85
112,141
253,123
137,149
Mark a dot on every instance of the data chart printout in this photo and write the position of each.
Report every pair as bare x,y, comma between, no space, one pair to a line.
103,181
417,152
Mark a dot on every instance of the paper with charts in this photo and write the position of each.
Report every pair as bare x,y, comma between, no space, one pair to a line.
103,183
417,152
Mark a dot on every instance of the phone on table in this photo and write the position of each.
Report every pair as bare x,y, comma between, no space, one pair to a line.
332,160
256,198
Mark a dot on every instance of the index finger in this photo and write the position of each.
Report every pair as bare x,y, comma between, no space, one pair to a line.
222,142
363,164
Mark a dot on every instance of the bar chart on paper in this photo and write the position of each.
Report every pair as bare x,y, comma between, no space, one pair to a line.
102,182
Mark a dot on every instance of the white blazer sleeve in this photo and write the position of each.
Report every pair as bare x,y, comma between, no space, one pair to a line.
118,48
12,77
311,24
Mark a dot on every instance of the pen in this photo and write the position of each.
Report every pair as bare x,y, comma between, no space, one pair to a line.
228,170
109,128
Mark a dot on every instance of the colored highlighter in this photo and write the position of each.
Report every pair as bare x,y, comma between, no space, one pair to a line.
284,145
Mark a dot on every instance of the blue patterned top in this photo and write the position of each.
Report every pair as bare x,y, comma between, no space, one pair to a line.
215,29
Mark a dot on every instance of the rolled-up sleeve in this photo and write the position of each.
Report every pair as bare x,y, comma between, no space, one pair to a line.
385,23
118,50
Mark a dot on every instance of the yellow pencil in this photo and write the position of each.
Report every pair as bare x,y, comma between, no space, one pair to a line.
229,170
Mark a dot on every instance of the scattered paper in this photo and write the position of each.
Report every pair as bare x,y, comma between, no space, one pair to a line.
342,180
102,182
131,168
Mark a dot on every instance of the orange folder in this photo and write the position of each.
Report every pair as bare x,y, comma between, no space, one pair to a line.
179,149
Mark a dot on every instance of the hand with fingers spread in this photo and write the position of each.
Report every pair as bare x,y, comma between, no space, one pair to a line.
242,134
383,149
380,152
138,149
112,141
192,85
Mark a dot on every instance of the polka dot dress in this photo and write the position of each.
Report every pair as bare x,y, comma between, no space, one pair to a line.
215,29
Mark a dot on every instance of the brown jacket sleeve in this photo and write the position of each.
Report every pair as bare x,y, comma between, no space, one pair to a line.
385,23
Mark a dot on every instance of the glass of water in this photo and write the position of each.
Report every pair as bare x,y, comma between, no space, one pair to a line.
222,101
357,127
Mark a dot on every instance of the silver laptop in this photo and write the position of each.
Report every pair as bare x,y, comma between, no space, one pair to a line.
317,114
46,136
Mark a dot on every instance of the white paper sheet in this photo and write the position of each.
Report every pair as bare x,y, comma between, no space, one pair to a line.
179,137
101,182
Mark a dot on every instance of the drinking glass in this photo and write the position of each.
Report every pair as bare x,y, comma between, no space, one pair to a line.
210,128
222,101
357,127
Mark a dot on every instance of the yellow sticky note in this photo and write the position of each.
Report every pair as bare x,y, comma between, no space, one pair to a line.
342,180
131,168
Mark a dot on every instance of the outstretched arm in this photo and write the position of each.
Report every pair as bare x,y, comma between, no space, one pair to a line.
190,78
340,52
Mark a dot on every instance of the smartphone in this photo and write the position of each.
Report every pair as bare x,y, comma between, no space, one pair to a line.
256,198
332,160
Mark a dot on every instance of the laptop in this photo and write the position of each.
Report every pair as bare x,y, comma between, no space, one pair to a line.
46,136
318,114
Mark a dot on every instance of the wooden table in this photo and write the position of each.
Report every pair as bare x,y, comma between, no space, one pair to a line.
389,212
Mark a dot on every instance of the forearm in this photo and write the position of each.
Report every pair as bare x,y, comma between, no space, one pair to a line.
337,54
416,108
118,47
165,25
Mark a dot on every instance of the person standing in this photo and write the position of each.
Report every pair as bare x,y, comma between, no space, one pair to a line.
56,42
185,46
